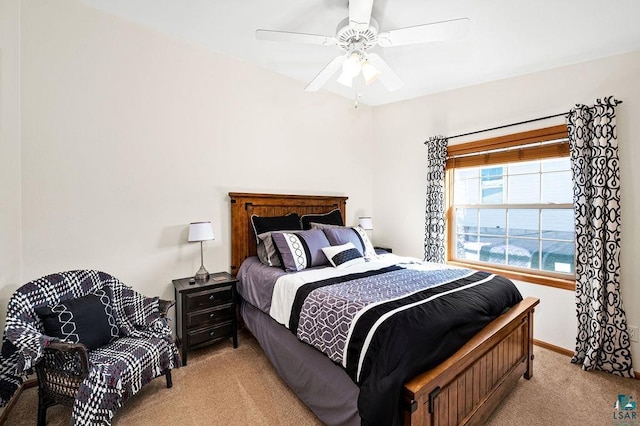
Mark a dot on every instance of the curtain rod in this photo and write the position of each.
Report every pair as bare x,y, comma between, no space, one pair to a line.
515,124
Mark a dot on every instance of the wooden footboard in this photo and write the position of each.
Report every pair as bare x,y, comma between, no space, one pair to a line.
467,387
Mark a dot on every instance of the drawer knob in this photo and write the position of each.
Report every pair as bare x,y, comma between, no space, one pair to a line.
212,315
212,333
212,297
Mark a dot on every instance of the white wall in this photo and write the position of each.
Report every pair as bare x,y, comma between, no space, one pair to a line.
10,245
115,137
400,184
128,135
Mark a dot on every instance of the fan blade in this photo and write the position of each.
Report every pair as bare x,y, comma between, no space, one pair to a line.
387,77
295,37
326,73
427,33
360,14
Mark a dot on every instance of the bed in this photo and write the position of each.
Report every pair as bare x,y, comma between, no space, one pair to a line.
463,389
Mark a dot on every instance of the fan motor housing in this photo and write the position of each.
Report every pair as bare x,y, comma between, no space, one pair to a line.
348,37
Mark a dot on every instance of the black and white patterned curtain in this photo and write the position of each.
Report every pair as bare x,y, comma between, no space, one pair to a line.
603,340
434,239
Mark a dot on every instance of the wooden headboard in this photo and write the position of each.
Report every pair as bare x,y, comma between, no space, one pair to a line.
243,205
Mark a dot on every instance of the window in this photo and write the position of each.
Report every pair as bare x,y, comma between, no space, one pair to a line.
510,206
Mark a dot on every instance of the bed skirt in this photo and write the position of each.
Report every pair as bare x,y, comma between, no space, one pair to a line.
323,386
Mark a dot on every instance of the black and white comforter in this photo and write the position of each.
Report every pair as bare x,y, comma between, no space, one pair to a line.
385,322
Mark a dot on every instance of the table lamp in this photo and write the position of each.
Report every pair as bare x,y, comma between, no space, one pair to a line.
366,223
201,231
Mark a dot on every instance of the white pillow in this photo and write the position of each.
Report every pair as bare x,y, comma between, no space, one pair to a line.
344,255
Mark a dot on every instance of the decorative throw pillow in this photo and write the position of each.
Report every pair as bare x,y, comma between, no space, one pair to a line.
262,224
261,251
267,252
356,236
334,217
301,250
369,250
344,255
88,319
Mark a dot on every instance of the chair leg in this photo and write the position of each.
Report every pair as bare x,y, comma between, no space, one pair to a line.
169,381
42,410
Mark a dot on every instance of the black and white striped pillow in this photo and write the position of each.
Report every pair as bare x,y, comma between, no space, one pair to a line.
300,250
344,255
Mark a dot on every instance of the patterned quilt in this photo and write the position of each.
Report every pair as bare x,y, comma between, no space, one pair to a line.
386,323
112,379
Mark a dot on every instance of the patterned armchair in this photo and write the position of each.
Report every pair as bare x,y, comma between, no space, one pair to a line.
93,341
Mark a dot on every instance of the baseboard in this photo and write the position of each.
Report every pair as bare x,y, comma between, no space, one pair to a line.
566,352
30,383
553,348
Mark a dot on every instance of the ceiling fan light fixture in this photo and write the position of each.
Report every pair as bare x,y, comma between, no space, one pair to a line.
345,79
351,67
369,72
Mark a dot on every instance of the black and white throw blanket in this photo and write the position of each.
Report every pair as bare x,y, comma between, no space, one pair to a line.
385,323
144,336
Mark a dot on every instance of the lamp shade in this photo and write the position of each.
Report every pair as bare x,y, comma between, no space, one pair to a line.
366,223
200,231
351,67
345,80
369,72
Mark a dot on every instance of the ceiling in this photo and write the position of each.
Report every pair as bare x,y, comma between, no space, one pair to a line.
505,38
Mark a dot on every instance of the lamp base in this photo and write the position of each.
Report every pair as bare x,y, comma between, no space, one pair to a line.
202,274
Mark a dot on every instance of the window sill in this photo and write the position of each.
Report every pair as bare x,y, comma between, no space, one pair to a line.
562,283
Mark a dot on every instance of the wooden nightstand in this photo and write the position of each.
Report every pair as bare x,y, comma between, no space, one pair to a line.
205,312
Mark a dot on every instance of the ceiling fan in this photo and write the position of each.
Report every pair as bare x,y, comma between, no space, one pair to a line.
357,34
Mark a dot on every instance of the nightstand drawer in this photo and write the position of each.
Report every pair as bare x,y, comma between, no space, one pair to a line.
211,316
205,335
209,298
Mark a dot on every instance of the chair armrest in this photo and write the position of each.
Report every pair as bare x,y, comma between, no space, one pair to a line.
164,306
69,357
67,346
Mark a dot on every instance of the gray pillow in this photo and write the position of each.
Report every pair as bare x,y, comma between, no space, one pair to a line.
301,250
267,250
262,253
356,235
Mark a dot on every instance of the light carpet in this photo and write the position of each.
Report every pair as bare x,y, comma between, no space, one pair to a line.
226,386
